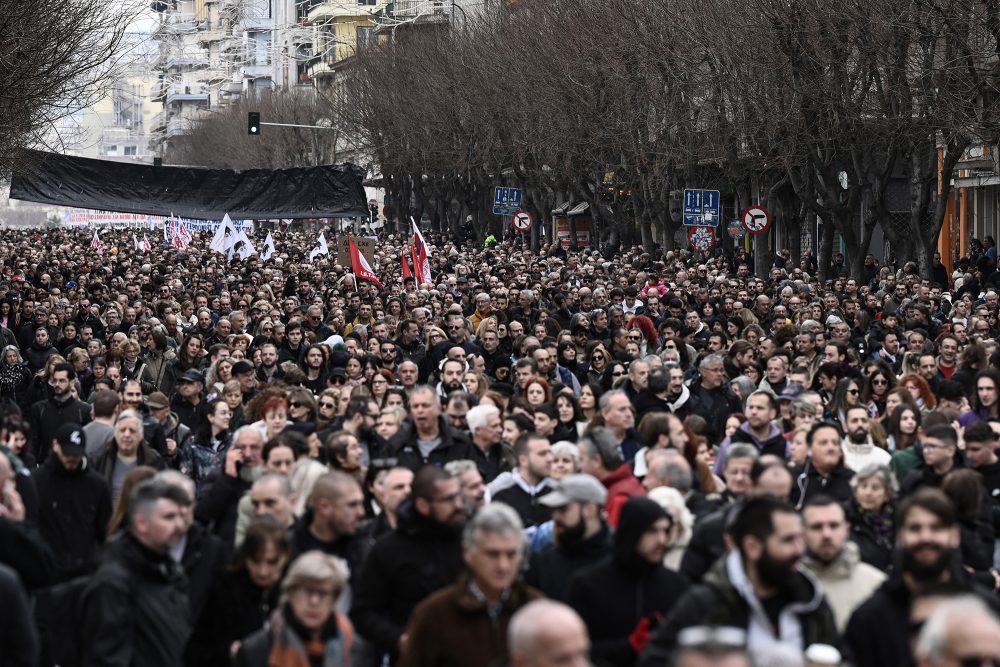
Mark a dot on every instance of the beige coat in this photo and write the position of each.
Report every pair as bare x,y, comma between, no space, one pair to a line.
847,582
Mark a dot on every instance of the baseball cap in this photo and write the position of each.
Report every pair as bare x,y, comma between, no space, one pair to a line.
790,393
242,366
72,440
575,489
157,400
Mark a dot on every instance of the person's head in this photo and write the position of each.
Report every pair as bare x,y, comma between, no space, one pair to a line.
264,551
156,514
272,495
425,408
599,452
668,467
438,496
643,534
826,528
485,425
926,534
278,455
825,451
534,457
960,631
617,411
873,487
337,503
712,371
858,424
61,379
314,583
128,433
769,536
939,445
980,444
493,545
393,488
761,409
740,459
546,633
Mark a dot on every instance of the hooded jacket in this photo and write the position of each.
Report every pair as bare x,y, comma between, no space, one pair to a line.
551,569
613,596
725,598
47,415
73,514
404,566
774,443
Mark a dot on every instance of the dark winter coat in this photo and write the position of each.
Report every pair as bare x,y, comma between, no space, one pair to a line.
136,609
235,608
352,549
218,507
18,637
203,559
403,446
809,482
551,569
874,534
877,634
717,602
613,596
405,566
73,514
513,491
707,545
45,418
453,628
715,405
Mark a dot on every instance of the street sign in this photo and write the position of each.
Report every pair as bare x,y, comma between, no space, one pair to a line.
521,221
701,238
756,219
702,207
735,229
506,201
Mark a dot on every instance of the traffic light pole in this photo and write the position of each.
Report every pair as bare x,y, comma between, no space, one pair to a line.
308,127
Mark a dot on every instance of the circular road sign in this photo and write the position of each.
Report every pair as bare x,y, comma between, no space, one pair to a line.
756,219
521,221
701,238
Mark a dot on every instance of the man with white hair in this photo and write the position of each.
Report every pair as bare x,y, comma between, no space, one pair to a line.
961,631
487,452
546,633
126,451
447,628
218,503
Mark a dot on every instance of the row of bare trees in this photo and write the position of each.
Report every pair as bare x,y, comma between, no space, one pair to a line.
844,112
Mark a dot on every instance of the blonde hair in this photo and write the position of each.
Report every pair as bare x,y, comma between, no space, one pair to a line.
314,567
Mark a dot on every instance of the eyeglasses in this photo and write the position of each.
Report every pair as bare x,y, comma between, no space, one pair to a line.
618,374
880,381
853,391
295,404
328,406
635,338
322,594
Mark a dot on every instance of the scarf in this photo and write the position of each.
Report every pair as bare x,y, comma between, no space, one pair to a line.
10,378
880,522
331,649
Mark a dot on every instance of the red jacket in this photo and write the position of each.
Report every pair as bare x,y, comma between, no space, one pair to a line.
621,485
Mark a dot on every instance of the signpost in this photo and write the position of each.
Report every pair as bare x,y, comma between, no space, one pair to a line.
735,229
506,201
701,239
702,207
756,219
522,221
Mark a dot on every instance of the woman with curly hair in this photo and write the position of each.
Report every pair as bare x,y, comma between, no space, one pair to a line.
650,338
919,390
15,378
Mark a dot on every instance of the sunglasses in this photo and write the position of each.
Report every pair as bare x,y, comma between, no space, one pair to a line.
339,380
618,374
880,381
296,404
853,391
328,406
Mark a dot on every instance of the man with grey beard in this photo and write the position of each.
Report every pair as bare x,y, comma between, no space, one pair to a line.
218,503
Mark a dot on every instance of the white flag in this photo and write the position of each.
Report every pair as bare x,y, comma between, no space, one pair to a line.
136,245
320,249
225,237
244,246
97,244
268,248
146,247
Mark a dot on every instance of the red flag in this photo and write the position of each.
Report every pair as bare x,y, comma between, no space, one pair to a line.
406,267
416,263
360,266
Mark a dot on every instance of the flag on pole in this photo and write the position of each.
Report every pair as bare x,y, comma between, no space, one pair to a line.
146,247
246,247
360,266
225,237
406,267
97,244
418,238
180,237
421,265
268,248
136,245
320,248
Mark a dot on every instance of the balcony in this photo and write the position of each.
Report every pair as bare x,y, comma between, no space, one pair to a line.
178,125
158,122
209,35
172,23
420,11
186,94
182,62
322,12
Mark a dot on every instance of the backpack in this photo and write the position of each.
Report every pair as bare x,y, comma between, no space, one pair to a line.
61,613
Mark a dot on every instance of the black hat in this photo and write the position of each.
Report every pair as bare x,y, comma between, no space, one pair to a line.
192,375
72,440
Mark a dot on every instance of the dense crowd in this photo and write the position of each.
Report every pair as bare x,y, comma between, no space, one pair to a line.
538,459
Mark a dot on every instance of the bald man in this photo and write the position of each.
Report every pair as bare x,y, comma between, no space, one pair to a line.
545,633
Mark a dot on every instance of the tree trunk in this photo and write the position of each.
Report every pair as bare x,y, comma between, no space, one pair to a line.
824,259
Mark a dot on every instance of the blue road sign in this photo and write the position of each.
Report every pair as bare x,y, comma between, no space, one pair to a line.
702,207
506,201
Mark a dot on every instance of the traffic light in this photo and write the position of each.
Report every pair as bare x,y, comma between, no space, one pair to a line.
253,122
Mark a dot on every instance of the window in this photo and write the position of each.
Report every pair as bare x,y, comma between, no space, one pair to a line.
130,150
366,37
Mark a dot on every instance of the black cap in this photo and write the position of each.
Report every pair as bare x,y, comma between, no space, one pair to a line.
192,375
72,440
242,366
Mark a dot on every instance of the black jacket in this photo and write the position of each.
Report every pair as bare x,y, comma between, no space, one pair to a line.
808,482
877,633
18,637
991,485
104,465
235,608
551,569
352,549
875,536
218,507
405,566
136,609
46,416
403,446
23,550
717,602
715,405
73,514
613,596
526,504
707,544
203,559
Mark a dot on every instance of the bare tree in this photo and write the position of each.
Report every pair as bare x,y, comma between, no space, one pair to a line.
56,57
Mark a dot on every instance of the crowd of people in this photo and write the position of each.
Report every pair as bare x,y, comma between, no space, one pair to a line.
559,458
